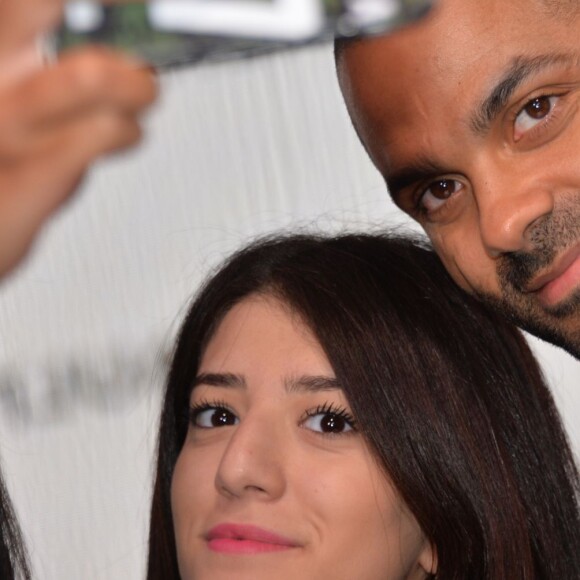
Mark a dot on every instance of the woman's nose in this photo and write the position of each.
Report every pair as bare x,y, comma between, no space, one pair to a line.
253,463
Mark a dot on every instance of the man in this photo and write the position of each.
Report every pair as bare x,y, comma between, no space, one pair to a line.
55,121
473,118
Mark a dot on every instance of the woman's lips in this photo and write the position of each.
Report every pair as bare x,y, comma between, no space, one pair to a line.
246,539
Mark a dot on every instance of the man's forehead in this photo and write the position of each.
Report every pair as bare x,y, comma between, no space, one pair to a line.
457,32
445,67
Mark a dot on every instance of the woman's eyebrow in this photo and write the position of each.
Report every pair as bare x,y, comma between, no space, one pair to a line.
519,70
227,380
304,383
311,384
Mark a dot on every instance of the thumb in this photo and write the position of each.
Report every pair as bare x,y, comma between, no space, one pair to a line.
21,23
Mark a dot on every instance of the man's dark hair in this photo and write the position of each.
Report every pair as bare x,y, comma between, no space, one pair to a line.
447,394
340,45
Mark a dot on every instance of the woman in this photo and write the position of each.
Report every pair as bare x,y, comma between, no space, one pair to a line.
13,555
338,408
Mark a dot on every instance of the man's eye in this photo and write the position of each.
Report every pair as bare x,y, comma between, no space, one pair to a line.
532,114
209,417
437,193
329,422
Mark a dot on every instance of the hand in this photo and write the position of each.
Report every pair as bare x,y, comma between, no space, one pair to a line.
54,122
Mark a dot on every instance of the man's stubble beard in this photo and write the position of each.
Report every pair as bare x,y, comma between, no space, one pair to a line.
550,236
528,318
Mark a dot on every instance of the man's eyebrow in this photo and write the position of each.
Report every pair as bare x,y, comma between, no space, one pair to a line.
311,384
227,380
520,69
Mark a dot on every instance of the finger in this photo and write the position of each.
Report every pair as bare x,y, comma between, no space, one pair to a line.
31,191
83,80
77,88
21,21
20,64
50,177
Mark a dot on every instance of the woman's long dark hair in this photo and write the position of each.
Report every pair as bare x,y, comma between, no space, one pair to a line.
447,393
13,555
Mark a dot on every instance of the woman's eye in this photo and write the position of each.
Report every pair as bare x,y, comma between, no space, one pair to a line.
532,114
438,193
211,417
328,422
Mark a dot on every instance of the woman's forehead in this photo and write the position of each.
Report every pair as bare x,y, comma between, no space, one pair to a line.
262,334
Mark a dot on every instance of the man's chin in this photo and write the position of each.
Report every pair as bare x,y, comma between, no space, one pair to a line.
559,325
569,342
568,310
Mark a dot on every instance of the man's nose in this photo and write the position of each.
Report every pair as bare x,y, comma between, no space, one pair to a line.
509,205
253,463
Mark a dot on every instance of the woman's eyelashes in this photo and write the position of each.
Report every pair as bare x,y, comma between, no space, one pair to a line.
208,415
329,419
326,419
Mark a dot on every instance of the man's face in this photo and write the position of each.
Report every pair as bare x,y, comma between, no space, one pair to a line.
473,117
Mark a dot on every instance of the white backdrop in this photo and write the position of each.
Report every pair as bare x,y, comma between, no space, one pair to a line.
233,150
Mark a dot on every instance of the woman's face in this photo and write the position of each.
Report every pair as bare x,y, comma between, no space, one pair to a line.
274,480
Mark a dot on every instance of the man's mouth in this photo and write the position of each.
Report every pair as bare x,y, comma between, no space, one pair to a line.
562,278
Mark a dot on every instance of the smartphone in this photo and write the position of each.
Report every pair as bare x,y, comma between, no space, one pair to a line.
171,33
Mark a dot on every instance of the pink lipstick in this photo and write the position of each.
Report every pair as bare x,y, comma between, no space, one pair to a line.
246,539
